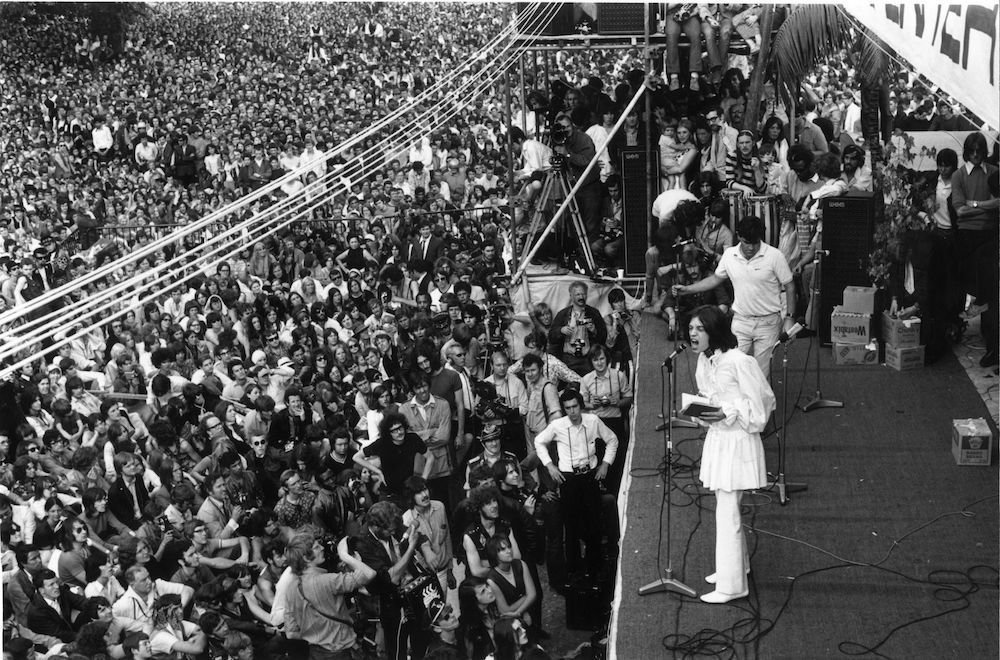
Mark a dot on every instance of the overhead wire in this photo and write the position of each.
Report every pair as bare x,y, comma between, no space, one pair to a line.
440,87
141,281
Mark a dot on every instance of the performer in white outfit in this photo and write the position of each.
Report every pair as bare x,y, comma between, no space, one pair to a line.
732,459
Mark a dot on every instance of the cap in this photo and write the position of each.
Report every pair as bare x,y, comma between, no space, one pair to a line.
258,357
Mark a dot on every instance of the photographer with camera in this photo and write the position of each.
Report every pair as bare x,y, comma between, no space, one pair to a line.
578,150
390,554
317,610
576,328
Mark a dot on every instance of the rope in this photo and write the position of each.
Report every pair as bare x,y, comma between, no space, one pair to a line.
484,79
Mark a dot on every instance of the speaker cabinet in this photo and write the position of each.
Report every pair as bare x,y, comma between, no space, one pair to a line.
531,15
848,235
636,207
625,17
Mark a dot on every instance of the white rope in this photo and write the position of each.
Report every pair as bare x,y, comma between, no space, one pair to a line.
126,287
152,247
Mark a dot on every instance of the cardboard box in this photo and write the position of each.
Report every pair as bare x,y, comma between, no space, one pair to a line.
859,299
971,441
850,327
900,333
855,353
904,359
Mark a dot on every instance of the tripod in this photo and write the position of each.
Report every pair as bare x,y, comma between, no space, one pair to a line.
557,181
668,582
818,401
784,487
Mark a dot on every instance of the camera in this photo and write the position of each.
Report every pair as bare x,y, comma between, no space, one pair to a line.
559,134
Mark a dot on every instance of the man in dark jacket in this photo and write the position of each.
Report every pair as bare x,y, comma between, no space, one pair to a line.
49,612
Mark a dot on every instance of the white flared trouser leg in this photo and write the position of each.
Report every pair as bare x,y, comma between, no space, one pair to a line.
731,558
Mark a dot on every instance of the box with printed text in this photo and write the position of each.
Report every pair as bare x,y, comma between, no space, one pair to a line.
971,441
850,327
901,333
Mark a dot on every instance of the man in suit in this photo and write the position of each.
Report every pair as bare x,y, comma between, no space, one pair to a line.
49,612
380,547
20,587
425,245
128,495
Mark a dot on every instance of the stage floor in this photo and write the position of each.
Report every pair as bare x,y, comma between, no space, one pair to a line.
893,547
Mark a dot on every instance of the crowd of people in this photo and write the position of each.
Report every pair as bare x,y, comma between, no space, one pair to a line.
342,440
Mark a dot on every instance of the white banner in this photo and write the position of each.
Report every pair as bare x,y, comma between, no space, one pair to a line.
955,46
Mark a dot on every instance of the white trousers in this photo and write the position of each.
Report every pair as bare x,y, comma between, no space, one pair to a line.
757,336
732,561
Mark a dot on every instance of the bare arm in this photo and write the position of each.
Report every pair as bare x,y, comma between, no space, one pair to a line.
700,286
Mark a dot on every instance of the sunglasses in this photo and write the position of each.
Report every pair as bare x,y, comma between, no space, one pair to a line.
397,429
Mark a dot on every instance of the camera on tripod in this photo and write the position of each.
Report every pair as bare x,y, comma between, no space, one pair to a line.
559,134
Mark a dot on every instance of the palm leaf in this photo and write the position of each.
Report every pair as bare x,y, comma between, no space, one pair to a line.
872,61
807,35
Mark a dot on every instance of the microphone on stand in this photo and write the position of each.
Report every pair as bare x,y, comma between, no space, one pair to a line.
681,347
785,336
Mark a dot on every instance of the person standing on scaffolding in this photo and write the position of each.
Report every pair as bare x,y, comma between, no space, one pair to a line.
570,141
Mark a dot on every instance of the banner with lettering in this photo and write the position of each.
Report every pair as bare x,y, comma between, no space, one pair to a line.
955,46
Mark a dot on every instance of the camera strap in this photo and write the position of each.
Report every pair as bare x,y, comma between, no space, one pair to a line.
332,617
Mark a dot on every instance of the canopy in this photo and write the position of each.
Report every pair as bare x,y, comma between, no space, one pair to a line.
955,46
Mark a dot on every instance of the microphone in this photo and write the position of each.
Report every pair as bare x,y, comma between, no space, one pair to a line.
785,336
681,347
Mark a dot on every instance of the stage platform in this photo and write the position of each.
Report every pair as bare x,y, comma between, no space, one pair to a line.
892,550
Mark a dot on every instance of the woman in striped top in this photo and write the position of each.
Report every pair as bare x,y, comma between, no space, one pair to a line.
743,168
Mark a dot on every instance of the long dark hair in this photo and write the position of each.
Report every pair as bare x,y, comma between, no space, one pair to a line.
718,327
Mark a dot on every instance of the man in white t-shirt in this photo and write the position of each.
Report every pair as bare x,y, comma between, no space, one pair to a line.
759,274
137,603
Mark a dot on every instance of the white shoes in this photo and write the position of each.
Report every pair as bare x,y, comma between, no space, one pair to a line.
711,578
718,597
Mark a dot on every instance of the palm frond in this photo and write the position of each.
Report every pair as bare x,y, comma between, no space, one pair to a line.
808,33
872,61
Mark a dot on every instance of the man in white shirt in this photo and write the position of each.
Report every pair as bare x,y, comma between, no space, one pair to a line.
103,140
137,603
577,475
759,274
851,115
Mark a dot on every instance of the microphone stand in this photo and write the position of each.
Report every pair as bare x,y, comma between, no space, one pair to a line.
818,401
784,487
667,582
675,419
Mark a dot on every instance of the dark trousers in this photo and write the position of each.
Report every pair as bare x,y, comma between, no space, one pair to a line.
977,255
620,427
399,636
555,547
580,496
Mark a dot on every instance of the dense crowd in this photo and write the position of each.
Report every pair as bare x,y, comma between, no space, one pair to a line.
341,438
